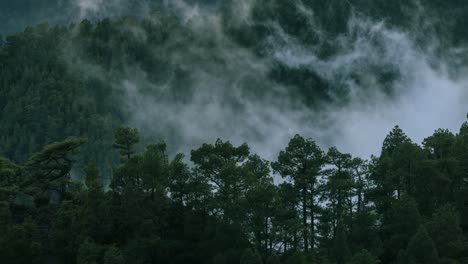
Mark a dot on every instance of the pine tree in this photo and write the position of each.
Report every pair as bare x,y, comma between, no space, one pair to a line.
340,251
445,230
338,189
219,258
421,249
221,164
89,253
364,257
250,257
113,256
125,139
94,215
297,258
401,222
273,259
302,162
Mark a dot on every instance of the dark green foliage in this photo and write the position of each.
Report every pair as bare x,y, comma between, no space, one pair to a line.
10,176
444,228
250,257
420,249
402,222
408,205
364,257
340,252
113,256
54,161
296,258
273,259
19,243
89,253
227,208
44,102
125,139
301,162
221,165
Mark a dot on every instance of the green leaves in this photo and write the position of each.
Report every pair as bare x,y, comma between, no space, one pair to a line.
227,208
340,251
301,159
445,230
420,249
53,163
222,165
395,139
10,176
250,257
364,257
125,139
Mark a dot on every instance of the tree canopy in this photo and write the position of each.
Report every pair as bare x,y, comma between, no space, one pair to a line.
227,207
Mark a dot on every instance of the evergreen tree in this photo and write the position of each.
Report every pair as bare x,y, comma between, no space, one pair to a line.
113,256
54,161
287,225
219,259
420,249
364,257
259,198
19,243
340,251
402,221
89,253
250,257
302,161
125,139
297,258
94,215
445,230
339,185
273,259
221,165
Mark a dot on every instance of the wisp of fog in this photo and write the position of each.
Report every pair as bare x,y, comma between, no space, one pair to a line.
235,98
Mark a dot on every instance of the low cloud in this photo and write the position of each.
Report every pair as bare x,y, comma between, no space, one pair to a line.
425,95
231,94
89,6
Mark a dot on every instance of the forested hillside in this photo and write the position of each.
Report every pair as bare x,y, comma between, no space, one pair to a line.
273,65
292,79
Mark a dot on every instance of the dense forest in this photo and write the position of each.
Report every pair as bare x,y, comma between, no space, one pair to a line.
109,114
406,206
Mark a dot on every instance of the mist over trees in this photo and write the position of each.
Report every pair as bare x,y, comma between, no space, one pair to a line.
94,110
167,65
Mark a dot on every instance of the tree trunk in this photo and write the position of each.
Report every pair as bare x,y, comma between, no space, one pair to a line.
312,218
359,195
304,218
